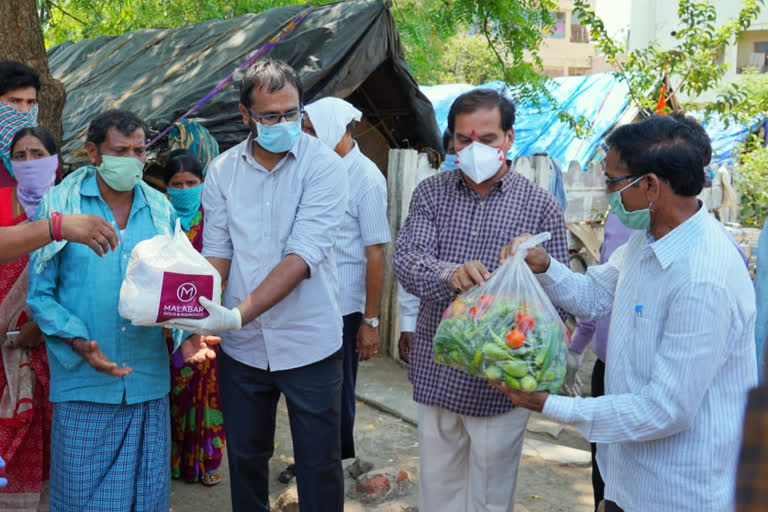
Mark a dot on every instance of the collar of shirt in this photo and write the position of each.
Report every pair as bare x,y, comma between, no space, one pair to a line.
676,243
90,188
504,183
353,153
247,154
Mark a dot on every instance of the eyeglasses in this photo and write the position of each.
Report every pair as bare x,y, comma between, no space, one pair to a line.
609,182
272,119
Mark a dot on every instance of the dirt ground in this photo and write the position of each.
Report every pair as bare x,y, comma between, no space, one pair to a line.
387,441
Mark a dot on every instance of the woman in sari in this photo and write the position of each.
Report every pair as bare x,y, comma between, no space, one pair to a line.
197,427
25,412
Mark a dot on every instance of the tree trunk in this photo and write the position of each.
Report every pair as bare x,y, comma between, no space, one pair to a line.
21,39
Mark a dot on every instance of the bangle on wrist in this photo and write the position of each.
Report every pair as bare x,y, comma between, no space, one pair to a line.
56,221
50,229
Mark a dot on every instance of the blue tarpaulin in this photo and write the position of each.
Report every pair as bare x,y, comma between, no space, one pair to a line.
600,98
726,139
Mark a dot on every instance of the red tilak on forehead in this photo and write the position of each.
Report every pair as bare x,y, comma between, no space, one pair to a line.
473,134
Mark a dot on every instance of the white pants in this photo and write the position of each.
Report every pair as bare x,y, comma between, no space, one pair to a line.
469,463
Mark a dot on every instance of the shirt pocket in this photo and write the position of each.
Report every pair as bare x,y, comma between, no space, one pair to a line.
643,350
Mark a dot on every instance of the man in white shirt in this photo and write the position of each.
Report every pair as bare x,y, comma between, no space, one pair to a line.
360,247
408,304
681,353
273,208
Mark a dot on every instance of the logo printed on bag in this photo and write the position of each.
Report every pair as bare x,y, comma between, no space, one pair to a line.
180,294
186,292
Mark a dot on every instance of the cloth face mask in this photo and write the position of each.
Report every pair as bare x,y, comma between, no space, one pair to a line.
34,177
121,173
11,121
186,201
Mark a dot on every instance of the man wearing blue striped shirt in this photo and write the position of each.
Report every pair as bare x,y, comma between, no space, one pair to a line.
359,247
681,353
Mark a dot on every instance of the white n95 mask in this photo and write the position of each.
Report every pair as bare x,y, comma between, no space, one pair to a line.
480,162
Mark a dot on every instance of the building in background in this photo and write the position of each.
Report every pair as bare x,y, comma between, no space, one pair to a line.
656,20
567,50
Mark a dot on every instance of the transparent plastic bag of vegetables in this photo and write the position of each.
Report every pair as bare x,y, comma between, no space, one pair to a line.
507,329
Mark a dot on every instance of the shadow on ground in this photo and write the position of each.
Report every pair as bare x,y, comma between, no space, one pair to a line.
387,440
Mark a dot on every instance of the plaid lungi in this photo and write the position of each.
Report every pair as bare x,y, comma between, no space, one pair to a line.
752,479
107,457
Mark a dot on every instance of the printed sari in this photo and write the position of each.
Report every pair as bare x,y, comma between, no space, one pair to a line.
25,412
197,424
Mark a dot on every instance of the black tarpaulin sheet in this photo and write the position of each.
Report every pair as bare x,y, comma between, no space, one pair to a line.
347,49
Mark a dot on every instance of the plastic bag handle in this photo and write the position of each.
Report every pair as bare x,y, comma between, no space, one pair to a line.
177,232
532,242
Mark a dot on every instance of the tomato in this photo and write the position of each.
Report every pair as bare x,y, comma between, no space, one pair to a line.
515,338
475,312
459,308
485,300
525,322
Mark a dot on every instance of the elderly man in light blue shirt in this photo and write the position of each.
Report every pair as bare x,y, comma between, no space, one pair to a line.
360,247
273,207
681,354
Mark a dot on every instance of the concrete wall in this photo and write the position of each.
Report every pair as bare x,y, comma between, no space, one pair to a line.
406,169
746,47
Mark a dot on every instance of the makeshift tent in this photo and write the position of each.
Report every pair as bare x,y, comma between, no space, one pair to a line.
347,49
600,98
726,138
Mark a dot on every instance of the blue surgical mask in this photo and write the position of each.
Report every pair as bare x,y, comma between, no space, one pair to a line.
636,219
450,163
186,201
280,137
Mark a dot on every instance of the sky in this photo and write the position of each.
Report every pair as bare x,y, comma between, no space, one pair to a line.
615,14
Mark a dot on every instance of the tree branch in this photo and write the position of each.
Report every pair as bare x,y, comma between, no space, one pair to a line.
493,46
54,4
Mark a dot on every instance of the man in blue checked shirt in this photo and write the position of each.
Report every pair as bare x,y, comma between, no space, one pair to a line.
110,439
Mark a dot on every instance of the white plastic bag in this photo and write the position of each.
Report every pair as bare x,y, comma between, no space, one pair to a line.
164,280
507,329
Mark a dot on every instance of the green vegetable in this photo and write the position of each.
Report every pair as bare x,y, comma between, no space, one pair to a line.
541,356
514,368
512,382
498,340
550,375
495,352
555,337
493,373
528,383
